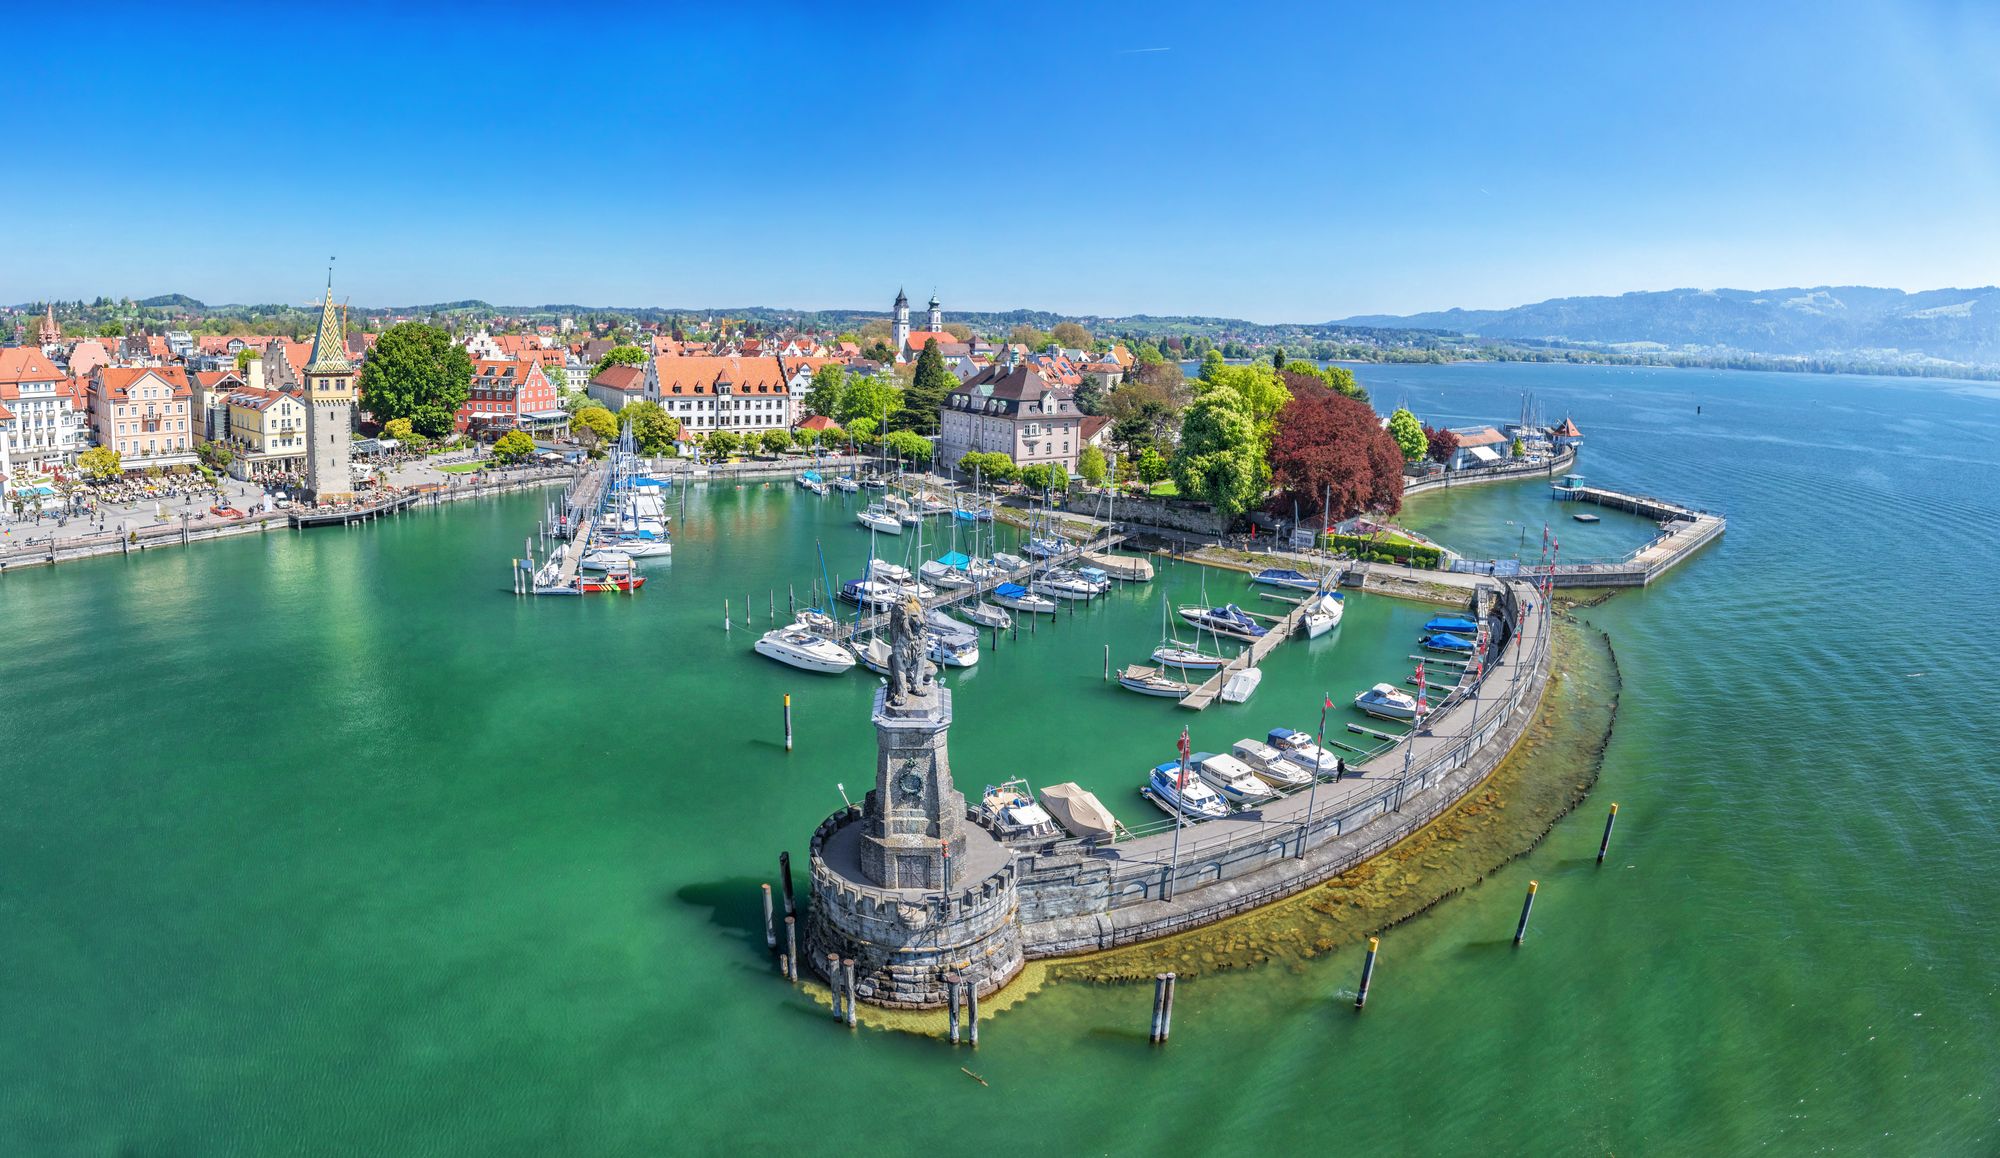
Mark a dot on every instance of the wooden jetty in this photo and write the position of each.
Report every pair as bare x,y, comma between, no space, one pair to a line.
581,501
953,595
301,518
1250,656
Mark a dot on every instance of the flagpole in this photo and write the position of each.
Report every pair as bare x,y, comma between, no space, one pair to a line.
1313,792
1180,787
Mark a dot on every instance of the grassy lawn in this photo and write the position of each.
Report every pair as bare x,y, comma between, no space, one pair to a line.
461,467
1166,490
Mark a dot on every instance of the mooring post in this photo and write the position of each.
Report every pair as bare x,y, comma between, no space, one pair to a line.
792,946
951,1004
725,613
788,721
770,928
847,968
1367,972
1527,906
1604,846
784,967
791,600
1167,1011
1107,661
972,1010
785,877
774,605
1159,1004
833,982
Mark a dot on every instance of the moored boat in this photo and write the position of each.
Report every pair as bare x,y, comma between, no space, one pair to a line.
954,652
1238,688
1323,614
1387,702
1152,681
876,517
1270,765
1187,658
1064,585
1286,577
1018,598
1015,815
1079,811
1234,779
1187,794
985,615
799,647
610,581
1299,748
1454,624
1445,641
606,559
846,483
1229,620
1045,546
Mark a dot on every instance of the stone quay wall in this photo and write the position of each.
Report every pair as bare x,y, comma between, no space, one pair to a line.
903,942
1193,518
1504,472
1079,902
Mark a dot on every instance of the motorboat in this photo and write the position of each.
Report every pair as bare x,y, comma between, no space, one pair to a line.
1046,546
606,559
1239,687
816,621
985,615
1229,620
890,572
1445,641
1018,598
1234,779
1187,658
610,581
1323,614
644,548
846,483
1015,815
1098,578
810,480
875,482
1079,811
876,517
799,647
954,652
1387,702
1453,624
1152,681
1299,748
942,625
1187,795
1270,765
1064,585
882,592
1286,577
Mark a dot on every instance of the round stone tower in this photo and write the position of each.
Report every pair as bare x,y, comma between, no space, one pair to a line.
903,884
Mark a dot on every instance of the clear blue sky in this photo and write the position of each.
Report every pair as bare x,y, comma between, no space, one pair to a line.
1280,163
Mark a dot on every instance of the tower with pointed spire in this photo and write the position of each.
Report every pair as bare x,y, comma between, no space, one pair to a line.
328,382
50,334
934,320
902,331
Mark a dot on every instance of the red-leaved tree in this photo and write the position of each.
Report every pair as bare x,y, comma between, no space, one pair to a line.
1442,442
1327,443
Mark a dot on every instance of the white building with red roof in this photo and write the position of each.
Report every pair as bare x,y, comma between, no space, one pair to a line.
40,426
743,395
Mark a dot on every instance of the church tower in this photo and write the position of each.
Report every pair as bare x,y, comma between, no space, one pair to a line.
902,323
934,322
328,383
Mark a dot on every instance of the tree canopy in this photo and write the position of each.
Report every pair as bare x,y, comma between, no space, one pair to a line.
908,445
1409,435
1218,461
987,466
869,398
416,372
933,380
654,431
513,446
721,443
600,422
1329,448
829,387
1440,443
1070,336
775,441
619,356
1045,476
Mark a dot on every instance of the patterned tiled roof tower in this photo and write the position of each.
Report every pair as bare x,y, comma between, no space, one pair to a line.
328,379
329,354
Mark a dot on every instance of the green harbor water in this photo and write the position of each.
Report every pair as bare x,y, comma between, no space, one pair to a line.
327,843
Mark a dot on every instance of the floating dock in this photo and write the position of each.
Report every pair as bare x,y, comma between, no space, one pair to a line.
1249,657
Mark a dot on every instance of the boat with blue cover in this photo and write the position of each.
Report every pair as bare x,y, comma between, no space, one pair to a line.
1229,620
1454,624
1285,577
1445,641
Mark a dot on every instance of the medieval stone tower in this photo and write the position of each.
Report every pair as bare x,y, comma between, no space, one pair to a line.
328,382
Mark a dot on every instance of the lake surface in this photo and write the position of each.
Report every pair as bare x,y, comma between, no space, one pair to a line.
327,843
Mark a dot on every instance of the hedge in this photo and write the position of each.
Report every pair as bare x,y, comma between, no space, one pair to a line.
1383,550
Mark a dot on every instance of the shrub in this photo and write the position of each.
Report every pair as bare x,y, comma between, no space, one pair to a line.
1378,551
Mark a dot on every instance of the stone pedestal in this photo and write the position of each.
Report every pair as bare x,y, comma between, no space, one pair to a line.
913,820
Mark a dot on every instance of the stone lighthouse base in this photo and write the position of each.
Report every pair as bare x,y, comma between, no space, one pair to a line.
905,941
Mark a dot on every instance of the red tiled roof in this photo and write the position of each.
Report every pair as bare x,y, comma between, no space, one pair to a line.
26,364
700,375
816,422
118,380
623,378
917,338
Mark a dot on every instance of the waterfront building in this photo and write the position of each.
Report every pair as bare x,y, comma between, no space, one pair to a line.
1479,446
618,387
143,413
1567,435
329,399
1016,411
40,426
744,395
267,430
208,399
511,394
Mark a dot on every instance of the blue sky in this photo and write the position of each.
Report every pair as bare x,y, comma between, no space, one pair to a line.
1275,162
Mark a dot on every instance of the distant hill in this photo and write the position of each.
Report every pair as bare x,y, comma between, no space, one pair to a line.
172,302
1954,325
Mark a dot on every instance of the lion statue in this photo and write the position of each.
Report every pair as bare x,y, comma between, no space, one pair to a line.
910,668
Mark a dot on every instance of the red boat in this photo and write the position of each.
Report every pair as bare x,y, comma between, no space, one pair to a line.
621,581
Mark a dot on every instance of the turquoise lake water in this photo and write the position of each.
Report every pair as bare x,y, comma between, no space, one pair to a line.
328,844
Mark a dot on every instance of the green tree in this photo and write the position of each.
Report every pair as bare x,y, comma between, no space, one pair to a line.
245,356
1211,363
862,431
100,463
653,429
215,455
619,356
1152,467
1219,461
416,372
720,444
829,387
398,429
908,445
921,402
1045,476
513,446
111,330
1027,335
1070,336
1091,465
870,398
1409,435
602,424
1517,450
776,441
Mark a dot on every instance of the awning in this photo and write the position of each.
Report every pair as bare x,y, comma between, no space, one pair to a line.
1482,454
548,415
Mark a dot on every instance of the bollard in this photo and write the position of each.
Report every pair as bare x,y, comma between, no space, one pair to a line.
972,1010
792,947
1159,1004
770,929
1367,972
1167,1010
788,721
1527,906
833,981
1604,846
847,967
785,876
951,1004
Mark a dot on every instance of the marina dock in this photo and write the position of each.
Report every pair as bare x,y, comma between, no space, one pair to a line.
1249,657
1684,531
846,631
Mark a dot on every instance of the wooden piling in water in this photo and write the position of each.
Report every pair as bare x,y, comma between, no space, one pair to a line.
1167,1009
847,969
951,1005
1527,907
1367,973
770,927
833,982
1107,661
1604,846
725,613
972,1011
788,721
1159,1005
792,946
785,877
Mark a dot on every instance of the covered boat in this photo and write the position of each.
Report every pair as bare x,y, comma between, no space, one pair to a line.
1238,688
1019,598
1229,620
985,615
952,570
1285,577
1454,624
1445,641
1079,810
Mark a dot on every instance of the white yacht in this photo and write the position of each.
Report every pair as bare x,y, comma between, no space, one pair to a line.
877,518
1323,615
1387,702
1019,598
1270,765
1191,797
799,647
1299,748
1233,778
